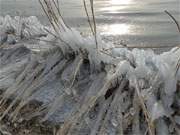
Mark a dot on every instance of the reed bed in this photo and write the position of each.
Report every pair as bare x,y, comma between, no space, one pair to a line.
85,86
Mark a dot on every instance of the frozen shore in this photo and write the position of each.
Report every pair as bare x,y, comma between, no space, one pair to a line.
70,84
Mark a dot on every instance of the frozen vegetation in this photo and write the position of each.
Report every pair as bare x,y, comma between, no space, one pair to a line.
75,88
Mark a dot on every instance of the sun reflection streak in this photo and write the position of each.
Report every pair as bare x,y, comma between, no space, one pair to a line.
120,2
115,5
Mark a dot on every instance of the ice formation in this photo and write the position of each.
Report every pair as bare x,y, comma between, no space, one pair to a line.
85,90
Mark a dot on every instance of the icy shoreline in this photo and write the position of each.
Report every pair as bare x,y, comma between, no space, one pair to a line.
109,91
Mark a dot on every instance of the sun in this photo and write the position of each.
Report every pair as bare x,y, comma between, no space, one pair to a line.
120,2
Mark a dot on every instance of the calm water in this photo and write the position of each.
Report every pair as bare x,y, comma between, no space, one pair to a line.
141,22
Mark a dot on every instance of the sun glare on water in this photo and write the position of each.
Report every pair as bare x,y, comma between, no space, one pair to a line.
116,29
115,6
120,2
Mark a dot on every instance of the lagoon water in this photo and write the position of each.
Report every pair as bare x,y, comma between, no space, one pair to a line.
137,22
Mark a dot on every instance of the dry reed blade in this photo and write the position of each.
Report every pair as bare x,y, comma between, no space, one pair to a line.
174,19
52,13
87,14
52,17
94,22
56,4
49,18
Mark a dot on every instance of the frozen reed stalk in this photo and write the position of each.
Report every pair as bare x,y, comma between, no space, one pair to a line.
51,8
145,111
112,106
100,116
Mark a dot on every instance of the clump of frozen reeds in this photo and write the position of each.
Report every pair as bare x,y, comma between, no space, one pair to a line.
85,91
52,11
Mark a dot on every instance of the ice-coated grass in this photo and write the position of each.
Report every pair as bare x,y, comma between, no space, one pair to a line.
98,90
